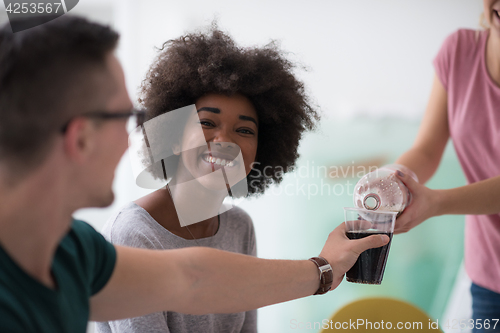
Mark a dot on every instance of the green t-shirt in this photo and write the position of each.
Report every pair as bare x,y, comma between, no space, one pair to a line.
83,264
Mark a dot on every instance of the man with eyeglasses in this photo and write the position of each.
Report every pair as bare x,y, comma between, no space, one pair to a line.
136,115
63,110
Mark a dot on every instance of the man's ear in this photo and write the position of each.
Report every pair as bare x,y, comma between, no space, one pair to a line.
79,139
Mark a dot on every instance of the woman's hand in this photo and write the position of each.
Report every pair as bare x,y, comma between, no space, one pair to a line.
424,204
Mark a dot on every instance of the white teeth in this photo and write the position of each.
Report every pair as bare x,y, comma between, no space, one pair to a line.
218,161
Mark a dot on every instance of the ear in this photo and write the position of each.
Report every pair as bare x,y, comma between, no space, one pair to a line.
176,149
79,140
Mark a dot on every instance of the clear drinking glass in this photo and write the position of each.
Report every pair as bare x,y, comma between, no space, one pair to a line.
360,223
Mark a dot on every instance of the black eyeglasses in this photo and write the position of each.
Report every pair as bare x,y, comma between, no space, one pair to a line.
138,114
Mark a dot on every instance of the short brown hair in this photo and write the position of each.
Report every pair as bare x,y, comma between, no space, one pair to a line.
42,71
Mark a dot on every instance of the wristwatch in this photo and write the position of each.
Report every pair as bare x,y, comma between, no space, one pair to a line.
325,275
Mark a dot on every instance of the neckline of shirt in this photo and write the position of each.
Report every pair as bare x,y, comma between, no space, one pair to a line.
210,241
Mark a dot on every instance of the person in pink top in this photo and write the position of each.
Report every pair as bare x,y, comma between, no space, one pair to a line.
465,105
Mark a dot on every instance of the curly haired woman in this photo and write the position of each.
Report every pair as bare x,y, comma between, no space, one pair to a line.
245,98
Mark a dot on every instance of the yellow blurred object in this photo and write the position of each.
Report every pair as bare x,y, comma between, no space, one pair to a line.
381,314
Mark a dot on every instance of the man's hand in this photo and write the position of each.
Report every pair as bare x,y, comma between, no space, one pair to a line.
342,253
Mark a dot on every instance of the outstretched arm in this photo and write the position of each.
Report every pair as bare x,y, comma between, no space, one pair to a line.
475,199
202,280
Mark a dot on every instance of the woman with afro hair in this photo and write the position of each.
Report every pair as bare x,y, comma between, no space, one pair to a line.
252,112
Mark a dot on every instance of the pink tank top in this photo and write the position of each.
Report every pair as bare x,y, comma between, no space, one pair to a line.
474,123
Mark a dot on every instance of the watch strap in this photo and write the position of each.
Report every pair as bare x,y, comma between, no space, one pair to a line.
325,275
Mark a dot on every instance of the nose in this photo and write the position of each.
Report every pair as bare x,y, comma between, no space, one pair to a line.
222,139
224,145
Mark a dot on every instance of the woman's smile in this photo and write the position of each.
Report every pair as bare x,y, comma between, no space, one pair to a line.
218,161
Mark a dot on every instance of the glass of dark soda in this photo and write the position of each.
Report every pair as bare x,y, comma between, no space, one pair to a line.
360,223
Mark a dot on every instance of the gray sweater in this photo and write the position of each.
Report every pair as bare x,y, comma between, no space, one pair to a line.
133,226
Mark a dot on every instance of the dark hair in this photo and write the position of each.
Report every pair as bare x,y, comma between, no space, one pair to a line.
47,74
197,64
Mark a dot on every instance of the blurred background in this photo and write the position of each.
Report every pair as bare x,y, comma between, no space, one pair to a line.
368,66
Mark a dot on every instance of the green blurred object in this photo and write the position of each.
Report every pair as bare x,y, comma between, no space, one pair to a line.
292,220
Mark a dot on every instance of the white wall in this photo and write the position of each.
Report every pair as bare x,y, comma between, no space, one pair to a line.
361,54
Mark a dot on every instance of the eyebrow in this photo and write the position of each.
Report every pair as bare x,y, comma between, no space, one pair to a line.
249,119
217,110
206,108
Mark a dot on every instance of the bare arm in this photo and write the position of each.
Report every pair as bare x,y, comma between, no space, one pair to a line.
424,156
203,280
474,199
478,198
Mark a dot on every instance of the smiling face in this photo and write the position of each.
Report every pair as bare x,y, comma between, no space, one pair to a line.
492,15
230,129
